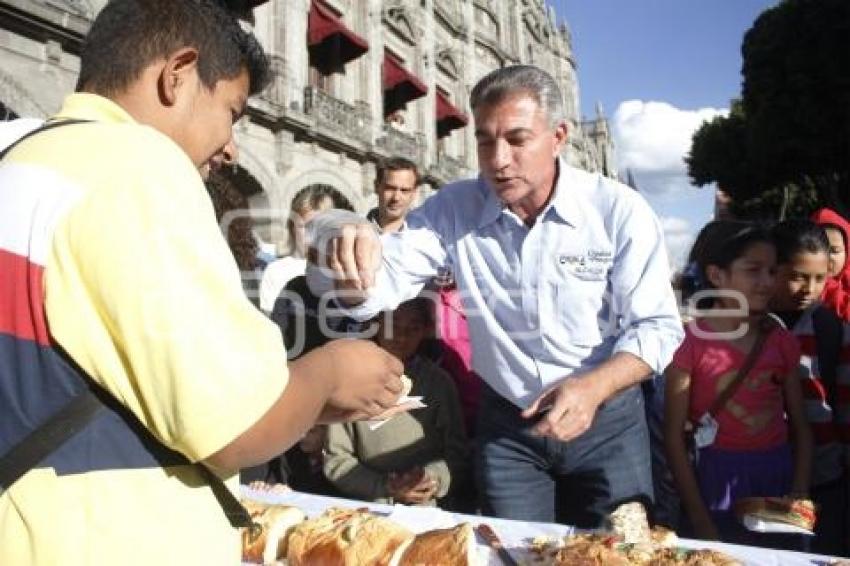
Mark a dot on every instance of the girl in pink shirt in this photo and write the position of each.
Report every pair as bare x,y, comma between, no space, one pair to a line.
732,266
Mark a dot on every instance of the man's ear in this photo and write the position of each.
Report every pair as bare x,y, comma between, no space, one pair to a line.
176,72
560,137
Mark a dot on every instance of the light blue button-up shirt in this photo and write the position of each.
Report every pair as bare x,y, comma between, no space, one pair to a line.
590,278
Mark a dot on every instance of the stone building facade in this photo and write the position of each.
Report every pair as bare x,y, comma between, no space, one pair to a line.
355,81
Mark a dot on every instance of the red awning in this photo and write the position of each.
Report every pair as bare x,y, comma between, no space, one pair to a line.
448,116
330,42
400,85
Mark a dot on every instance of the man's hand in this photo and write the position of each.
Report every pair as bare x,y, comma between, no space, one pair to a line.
413,487
572,405
366,380
349,254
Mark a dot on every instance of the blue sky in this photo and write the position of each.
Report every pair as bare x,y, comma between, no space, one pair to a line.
659,68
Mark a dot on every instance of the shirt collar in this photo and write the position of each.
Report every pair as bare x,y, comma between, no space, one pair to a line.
87,106
493,207
562,203
372,216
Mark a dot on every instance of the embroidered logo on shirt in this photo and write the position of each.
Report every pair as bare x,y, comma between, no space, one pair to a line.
564,259
600,256
594,263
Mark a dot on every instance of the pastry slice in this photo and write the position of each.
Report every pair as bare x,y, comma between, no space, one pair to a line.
447,547
267,541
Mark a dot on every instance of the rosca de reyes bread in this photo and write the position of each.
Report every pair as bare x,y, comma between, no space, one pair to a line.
267,541
448,547
347,537
796,512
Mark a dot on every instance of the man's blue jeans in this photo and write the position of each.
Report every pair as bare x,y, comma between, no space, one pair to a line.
531,478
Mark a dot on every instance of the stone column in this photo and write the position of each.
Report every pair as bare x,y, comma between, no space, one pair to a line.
373,65
426,51
469,79
292,29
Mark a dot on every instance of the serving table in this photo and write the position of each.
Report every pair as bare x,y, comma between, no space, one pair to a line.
515,535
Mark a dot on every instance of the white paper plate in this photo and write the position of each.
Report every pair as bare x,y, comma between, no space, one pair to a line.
761,526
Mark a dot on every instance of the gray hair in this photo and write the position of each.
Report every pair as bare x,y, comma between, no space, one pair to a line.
520,79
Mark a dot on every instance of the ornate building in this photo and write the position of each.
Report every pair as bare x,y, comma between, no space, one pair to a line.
355,81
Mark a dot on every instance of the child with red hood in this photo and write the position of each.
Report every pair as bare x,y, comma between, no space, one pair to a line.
836,293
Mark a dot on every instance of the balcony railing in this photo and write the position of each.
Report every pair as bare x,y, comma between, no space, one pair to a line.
399,143
337,116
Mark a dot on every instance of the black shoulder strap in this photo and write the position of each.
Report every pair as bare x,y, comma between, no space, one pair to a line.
39,443
79,412
766,326
43,128
70,420
64,424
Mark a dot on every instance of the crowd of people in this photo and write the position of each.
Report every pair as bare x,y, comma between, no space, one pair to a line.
531,309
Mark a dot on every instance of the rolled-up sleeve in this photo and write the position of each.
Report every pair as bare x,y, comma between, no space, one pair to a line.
642,295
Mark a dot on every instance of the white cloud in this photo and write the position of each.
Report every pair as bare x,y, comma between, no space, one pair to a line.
652,139
678,237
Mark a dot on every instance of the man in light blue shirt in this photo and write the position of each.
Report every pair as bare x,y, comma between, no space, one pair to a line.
566,286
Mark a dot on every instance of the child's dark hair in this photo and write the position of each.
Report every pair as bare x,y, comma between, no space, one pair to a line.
795,236
719,243
423,307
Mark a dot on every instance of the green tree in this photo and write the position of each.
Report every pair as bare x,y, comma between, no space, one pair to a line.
719,154
786,145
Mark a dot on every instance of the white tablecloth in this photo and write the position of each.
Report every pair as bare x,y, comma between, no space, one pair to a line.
514,534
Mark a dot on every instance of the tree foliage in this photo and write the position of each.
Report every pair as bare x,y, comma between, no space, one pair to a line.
790,133
719,154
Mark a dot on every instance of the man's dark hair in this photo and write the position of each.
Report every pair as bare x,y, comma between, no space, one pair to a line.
797,236
395,164
129,35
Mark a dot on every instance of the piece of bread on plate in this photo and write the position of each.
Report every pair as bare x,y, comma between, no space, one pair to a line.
347,537
448,547
268,541
798,513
